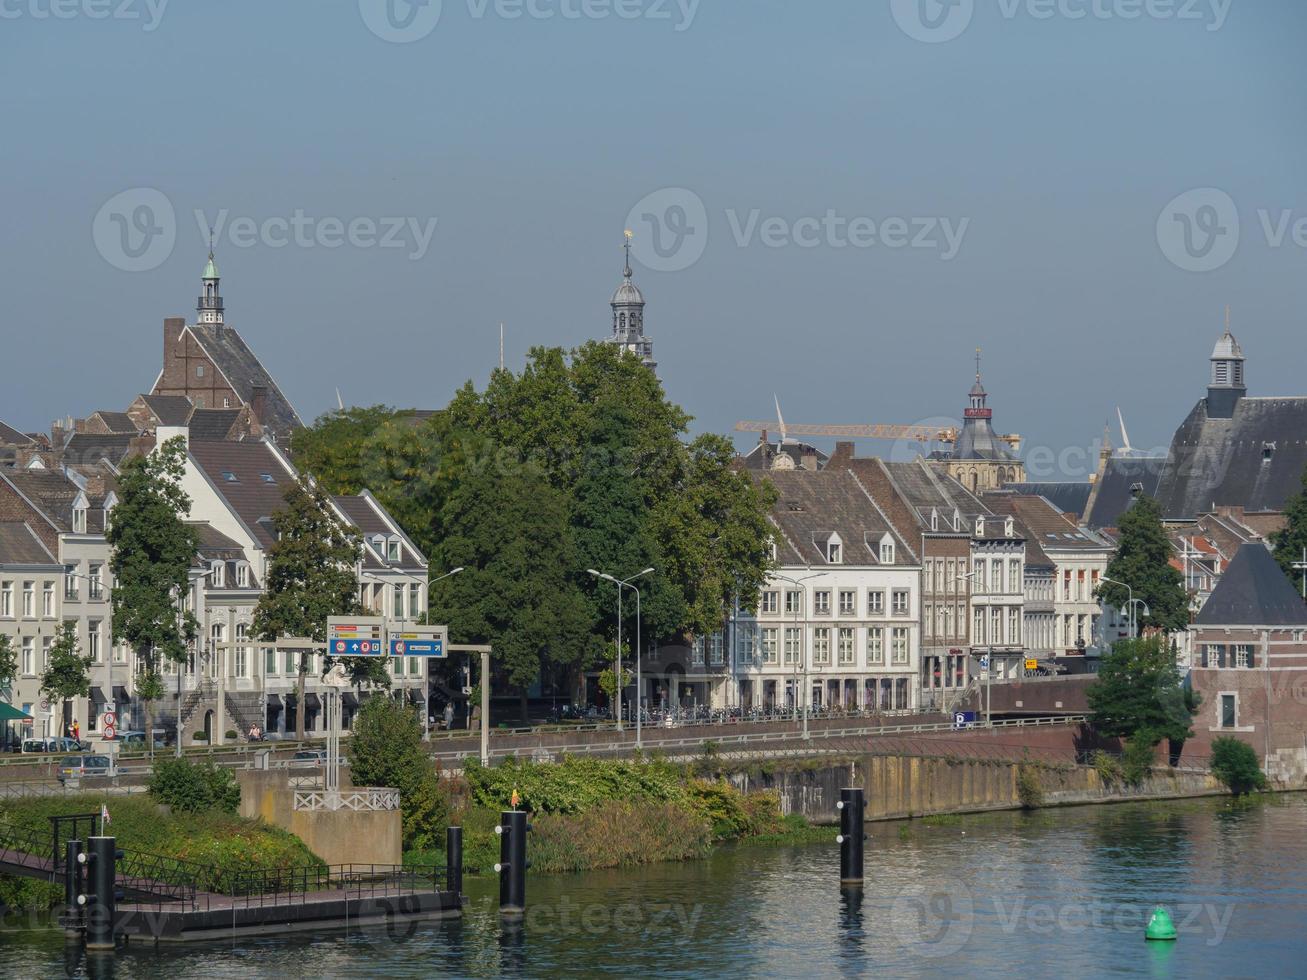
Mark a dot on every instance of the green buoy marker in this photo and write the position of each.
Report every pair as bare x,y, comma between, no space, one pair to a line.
1160,926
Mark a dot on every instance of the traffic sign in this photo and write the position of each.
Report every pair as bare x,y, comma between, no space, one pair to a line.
356,636
984,663
964,719
419,641
110,733
110,718
1032,665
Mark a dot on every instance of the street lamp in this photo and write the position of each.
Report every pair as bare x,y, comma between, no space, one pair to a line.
426,672
617,685
800,695
1130,602
989,655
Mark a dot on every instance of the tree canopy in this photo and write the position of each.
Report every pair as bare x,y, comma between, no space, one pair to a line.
1139,690
1143,562
67,674
8,662
1291,541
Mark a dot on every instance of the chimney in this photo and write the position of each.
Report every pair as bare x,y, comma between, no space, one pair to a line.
843,452
259,401
809,458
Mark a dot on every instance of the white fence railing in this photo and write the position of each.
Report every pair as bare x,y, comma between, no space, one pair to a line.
350,799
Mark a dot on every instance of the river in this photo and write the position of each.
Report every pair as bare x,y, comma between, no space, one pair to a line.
1052,893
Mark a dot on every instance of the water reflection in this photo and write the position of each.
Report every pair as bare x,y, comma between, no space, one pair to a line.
853,946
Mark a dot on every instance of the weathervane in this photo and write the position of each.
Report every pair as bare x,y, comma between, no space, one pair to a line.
626,245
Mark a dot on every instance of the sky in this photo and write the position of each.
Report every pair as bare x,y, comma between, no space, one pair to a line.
832,201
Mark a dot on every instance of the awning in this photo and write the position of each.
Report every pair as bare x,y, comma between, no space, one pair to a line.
9,713
349,699
274,702
97,695
312,702
414,696
120,695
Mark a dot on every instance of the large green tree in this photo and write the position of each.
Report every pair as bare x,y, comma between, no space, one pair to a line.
335,448
1291,541
1143,562
311,576
67,673
153,550
1139,693
8,662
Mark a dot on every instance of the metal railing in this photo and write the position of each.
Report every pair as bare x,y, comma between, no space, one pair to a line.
367,798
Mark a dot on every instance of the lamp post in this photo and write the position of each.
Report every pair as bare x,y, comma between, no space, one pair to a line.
1129,601
988,658
618,685
426,671
1302,567
800,695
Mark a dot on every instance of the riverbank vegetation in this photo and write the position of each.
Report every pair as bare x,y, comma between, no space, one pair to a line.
1235,764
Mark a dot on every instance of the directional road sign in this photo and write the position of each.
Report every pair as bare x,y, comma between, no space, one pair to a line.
418,641
356,636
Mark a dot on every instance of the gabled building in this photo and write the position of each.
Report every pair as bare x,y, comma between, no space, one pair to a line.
30,579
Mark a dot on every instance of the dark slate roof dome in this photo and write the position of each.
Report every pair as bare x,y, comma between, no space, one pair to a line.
1254,591
977,441
628,293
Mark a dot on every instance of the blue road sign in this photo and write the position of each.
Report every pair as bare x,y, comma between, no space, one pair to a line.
964,719
355,648
426,647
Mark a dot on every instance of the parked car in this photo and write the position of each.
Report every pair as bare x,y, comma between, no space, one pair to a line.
82,766
308,759
136,740
59,743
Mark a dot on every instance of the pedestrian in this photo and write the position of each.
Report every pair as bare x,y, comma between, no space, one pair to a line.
76,729
449,715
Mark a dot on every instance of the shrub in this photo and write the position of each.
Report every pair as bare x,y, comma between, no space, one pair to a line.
1029,791
191,787
574,784
1107,766
615,834
732,813
1234,763
1137,759
200,736
386,750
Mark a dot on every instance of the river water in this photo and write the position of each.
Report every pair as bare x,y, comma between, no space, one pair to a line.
1061,893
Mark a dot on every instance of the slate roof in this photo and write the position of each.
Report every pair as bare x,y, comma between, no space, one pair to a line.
928,488
170,410
250,476
763,455
1044,523
1113,493
19,545
212,423
117,422
1254,591
363,513
87,448
11,436
978,441
50,492
244,372
1069,498
1218,462
811,506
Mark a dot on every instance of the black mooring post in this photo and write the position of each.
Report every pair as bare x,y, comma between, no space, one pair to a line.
100,900
512,864
74,882
852,835
454,860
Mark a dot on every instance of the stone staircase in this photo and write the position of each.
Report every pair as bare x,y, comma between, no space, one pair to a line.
246,709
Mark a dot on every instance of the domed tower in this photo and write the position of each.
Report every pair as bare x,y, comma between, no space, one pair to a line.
981,459
628,316
210,305
1227,385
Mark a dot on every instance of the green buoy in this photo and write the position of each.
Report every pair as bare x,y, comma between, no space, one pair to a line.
1160,926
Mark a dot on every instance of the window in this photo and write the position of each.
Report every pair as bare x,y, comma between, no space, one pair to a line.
47,599
887,552
230,477
397,666
79,520
199,370
791,645
392,549
834,552
978,627
267,478
120,654
217,633
397,600
899,648
716,655
93,640
226,402
996,574
1229,710
270,661
70,587
793,602
242,653
978,576
770,603
288,662
848,602
414,599
995,625
846,654
242,575
875,646
1014,575
875,603
95,588
821,646
696,652
1013,625
29,656
46,643
413,667
821,602
900,602
769,651
29,599
7,600
1243,656
218,574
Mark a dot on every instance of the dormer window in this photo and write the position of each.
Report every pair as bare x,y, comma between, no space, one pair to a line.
379,544
392,549
242,575
217,574
79,520
1268,452
934,519
1009,528
886,550
834,552
267,478
230,477
980,527
957,519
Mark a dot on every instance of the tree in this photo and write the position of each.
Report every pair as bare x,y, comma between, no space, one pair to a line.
1139,690
1291,541
508,528
1143,562
333,449
1235,764
8,662
67,674
153,548
385,749
311,576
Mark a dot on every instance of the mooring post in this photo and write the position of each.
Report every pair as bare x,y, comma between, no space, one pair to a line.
73,887
512,864
852,808
100,901
454,860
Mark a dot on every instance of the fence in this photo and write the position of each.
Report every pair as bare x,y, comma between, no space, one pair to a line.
370,798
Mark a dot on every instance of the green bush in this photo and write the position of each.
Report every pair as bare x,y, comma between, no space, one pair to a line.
200,736
1137,759
732,813
1107,766
1029,790
1235,764
574,784
193,786
386,750
616,834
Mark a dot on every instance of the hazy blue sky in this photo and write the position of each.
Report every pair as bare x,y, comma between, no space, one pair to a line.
1051,144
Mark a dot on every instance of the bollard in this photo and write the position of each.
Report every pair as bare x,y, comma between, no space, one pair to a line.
74,885
512,831
100,900
454,861
852,808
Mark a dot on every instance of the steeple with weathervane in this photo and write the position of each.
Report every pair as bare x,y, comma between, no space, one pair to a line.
1227,385
628,315
210,305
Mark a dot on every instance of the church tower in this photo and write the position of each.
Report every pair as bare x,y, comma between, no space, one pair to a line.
628,316
210,305
1226,386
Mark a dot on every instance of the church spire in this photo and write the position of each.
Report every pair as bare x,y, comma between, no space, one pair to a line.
210,305
628,313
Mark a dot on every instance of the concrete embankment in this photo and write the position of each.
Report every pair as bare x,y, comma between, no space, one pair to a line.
897,787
